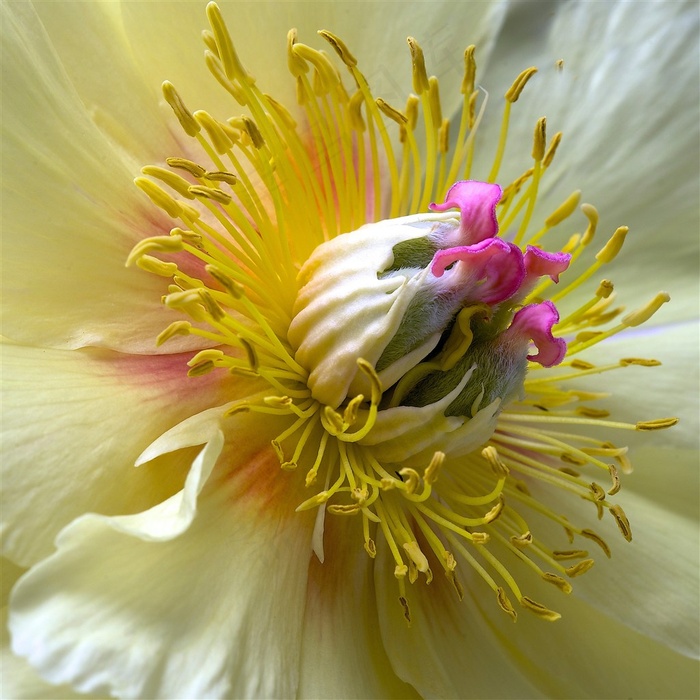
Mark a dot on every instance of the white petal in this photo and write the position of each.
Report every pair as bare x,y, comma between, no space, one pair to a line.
214,612
21,682
342,653
74,424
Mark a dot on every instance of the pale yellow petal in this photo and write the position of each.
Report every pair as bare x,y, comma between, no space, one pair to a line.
214,612
342,653
74,423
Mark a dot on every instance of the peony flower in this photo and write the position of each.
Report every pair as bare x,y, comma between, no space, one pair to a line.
362,397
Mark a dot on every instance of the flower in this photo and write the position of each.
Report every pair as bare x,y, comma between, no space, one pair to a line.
192,575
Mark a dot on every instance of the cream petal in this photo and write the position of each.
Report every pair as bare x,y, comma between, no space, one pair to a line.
448,651
214,612
668,390
74,424
587,654
633,152
342,653
71,213
651,584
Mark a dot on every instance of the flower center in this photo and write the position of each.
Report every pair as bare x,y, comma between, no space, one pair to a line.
400,351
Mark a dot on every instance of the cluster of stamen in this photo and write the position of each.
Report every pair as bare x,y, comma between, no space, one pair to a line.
275,190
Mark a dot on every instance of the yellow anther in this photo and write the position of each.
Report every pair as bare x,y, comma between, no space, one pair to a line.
406,610
581,364
610,250
350,413
184,164
469,71
505,604
200,369
368,370
615,477
592,412
334,421
344,509
339,47
539,140
416,555
324,68
605,289
430,474
371,548
622,523
282,112
252,130
561,583
642,362
513,92
646,312
572,459
598,540
591,213
155,266
179,184
522,541
552,150
211,193
411,111
184,116
295,62
657,424
444,136
580,568
222,176
411,479
216,68
559,64
209,355
569,554
495,512
471,120
400,571
210,41
434,100
175,328
420,76
278,401
355,111
598,491
159,197
480,537
490,454
218,137
232,64
211,306
159,244
564,210
317,500
235,289
539,609
390,112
